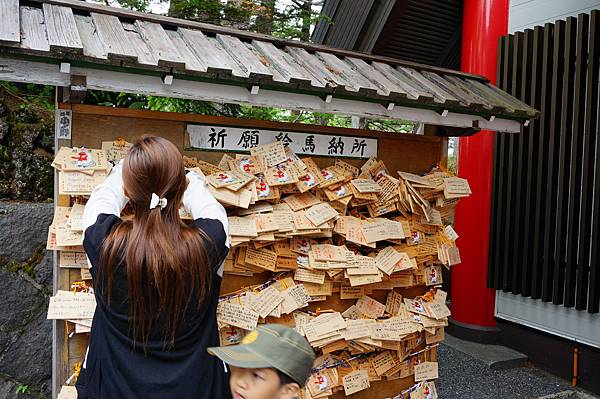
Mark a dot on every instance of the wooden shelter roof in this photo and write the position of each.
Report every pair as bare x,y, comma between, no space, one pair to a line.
100,37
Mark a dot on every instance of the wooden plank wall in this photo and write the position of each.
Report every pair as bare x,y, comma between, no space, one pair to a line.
91,125
545,229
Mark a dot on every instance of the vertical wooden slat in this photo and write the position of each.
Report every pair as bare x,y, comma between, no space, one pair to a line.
545,217
553,127
564,153
574,204
493,267
60,281
499,277
541,188
590,129
507,167
532,166
516,151
594,292
522,162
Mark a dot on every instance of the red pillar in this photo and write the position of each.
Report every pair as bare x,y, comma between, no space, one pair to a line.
484,21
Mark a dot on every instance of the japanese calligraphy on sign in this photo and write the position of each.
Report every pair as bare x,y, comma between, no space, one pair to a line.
242,139
63,125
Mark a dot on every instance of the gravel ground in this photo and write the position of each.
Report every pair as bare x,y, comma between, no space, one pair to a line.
462,376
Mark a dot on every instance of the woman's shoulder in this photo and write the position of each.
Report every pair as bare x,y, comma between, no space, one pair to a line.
104,224
215,234
212,227
95,234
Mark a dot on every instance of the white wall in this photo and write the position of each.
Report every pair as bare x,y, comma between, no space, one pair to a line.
577,325
529,13
569,323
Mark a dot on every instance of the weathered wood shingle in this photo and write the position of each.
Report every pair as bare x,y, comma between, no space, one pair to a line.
66,30
10,26
63,34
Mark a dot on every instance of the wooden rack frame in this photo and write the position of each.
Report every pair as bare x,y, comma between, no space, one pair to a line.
93,124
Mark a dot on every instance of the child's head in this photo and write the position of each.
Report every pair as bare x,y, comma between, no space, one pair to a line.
271,362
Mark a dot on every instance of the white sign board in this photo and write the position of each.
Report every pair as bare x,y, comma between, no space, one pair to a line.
63,123
222,138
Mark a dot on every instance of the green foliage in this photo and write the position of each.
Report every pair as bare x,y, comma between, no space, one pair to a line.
23,390
137,5
28,266
452,164
453,155
26,141
209,11
167,104
35,97
294,20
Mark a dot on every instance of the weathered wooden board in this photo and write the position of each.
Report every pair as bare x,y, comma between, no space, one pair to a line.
418,80
145,55
113,36
384,86
519,106
92,45
214,58
320,77
490,96
446,96
62,31
352,79
467,92
78,31
192,63
91,130
238,51
33,30
9,28
239,69
282,62
160,44
412,92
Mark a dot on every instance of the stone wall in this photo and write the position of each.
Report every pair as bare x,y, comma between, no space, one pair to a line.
25,286
26,148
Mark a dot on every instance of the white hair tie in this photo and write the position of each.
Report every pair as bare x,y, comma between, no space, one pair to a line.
157,201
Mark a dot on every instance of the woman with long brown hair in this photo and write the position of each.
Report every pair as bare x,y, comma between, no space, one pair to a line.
156,280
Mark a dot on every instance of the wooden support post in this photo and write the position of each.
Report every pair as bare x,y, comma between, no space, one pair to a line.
60,280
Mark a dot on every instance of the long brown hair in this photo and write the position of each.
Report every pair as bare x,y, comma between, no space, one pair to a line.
166,260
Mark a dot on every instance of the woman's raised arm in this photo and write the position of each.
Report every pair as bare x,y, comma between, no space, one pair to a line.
107,198
201,204
208,214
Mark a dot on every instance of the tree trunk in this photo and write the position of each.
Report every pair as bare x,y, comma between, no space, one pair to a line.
305,14
208,11
236,15
264,20
176,8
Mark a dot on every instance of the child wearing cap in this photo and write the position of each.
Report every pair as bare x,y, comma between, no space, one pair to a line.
271,362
